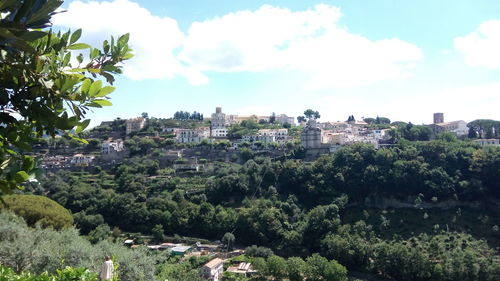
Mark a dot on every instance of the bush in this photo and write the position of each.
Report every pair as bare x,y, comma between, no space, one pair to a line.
40,210
37,250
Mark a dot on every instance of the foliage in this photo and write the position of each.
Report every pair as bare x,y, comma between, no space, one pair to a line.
42,90
484,128
38,250
66,274
228,239
39,210
184,115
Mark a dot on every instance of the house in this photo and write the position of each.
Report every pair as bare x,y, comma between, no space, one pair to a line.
192,135
110,147
484,142
180,250
213,269
81,160
134,125
219,132
280,135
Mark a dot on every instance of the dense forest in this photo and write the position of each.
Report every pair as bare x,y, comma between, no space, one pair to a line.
412,211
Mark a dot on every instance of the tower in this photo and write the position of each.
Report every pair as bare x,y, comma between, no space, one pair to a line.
438,118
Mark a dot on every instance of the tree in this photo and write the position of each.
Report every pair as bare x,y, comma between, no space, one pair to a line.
311,114
295,268
272,119
228,240
319,268
276,267
42,90
301,119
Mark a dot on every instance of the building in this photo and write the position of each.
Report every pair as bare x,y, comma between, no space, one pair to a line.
81,160
459,128
179,250
110,147
219,132
243,268
311,135
438,118
192,135
213,269
484,142
335,127
285,119
135,125
267,136
218,118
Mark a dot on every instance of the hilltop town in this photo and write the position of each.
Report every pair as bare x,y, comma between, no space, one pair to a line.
182,141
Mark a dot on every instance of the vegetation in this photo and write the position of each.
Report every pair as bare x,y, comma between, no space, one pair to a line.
38,210
338,206
42,90
37,250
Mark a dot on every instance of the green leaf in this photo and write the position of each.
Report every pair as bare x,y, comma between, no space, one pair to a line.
105,91
78,46
66,59
124,38
33,35
94,89
94,53
82,126
28,163
86,85
103,102
21,176
79,58
75,36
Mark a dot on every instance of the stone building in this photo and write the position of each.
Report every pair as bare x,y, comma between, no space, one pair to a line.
311,135
135,125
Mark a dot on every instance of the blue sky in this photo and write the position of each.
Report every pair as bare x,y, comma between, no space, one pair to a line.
396,58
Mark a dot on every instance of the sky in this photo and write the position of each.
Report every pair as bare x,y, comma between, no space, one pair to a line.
401,59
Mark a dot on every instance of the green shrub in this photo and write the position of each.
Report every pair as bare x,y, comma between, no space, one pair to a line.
40,210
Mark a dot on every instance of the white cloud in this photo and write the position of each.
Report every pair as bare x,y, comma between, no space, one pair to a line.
481,47
269,38
152,38
310,41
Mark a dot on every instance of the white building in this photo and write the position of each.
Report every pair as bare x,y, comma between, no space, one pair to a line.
213,269
267,136
192,135
280,135
380,133
219,132
109,146
81,160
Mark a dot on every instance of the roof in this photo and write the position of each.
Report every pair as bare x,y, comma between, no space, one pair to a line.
213,263
180,248
449,123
